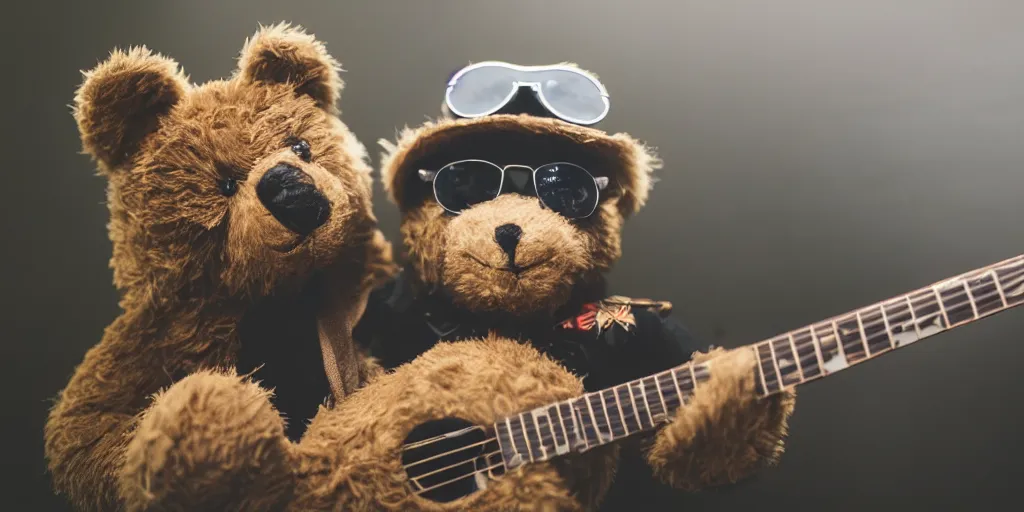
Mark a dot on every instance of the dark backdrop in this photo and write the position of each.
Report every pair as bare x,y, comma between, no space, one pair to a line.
819,156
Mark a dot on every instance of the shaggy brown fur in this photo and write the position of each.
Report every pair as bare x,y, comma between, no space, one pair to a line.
350,457
204,271
566,254
728,433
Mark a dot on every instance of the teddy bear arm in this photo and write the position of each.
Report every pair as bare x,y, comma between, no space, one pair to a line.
726,432
212,441
95,415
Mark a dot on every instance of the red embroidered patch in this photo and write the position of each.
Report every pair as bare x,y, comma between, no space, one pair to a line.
612,310
600,316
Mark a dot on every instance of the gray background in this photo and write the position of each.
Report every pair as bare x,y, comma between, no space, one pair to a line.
820,155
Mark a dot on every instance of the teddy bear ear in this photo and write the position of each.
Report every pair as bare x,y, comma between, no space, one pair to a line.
283,54
122,100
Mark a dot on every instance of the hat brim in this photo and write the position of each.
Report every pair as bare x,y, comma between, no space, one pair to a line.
627,162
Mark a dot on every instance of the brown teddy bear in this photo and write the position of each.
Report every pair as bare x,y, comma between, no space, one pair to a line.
512,212
243,242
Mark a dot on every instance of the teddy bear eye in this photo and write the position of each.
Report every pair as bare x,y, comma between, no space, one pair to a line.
228,187
301,148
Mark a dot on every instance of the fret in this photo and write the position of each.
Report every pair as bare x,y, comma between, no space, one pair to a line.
913,316
653,396
616,428
629,406
604,409
930,319
693,376
771,376
851,338
672,399
532,438
775,361
817,350
999,288
647,401
807,353
1011,281
503,431
902,324
684,382
679,390
832,356
888,328
643,412
525,439
588,429
796,356
986,295
789,370
956,303
567,413
546,442
661,396
548,429
974,305
860,331
599,415
700,372
876,333
558,430
942,308
618,407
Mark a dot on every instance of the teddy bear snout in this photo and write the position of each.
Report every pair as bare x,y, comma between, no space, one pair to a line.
293,199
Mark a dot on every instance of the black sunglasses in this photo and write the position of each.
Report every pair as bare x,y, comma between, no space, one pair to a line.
564,188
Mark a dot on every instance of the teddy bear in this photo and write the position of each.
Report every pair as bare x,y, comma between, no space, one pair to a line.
244,247
512,208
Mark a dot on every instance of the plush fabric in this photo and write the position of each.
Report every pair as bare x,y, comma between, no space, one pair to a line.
213,280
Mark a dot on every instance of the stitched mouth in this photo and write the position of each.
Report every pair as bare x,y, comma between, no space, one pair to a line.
514,269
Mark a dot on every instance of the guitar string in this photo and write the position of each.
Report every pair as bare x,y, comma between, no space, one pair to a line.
449,452
457,464
456,479
807,360
932,302
1012,278
429,440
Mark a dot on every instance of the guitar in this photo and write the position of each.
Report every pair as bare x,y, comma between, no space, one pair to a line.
445,459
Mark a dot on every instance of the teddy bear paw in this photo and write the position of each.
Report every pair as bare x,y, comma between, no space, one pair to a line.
210,440
726,432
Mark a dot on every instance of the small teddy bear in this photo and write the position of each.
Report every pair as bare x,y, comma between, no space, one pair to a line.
243,243
512,213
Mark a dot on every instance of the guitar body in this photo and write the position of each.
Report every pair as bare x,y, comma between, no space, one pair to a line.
363,454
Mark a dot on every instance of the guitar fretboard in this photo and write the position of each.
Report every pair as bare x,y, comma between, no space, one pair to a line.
788,360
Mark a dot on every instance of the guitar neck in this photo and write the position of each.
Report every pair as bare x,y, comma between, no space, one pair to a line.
785,361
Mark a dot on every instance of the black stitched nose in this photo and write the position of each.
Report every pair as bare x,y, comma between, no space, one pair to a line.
507,236
292,198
